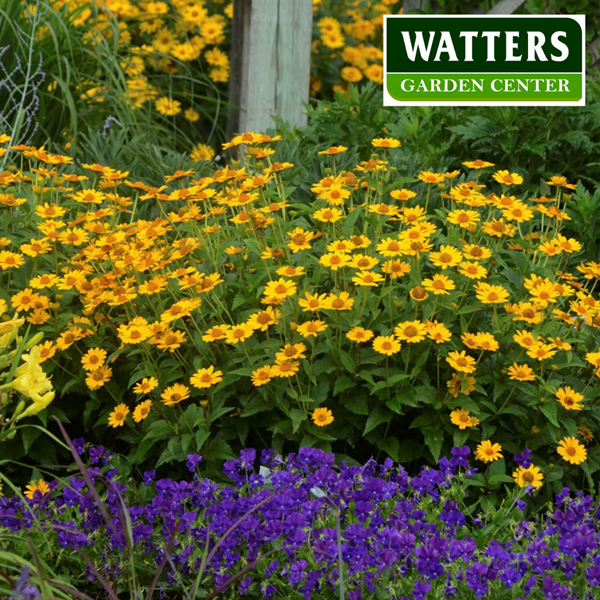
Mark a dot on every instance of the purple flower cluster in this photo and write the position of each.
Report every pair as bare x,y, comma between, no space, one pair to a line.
281,527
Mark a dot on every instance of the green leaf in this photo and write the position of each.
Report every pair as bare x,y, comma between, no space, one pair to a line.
348,362
297,416
434,438
376,418
549,409
342,384
356,404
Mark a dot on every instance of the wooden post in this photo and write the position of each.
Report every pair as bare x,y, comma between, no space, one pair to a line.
270,63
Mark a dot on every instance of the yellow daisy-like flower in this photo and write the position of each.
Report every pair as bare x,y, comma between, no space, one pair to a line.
359,335
261,376
462,419
117,417
311,328
429,177
488,452
367,279
386,344
438,284
491,294
520,372
285,368
98,377
461,361
572,450
238,333
447,257
36,486
167,106
145,386
507,178
569,398
411,331
328,215
334,150
334,260
205,378
93,359
142,410
463,218
385,143
530,476
478,164
341,301
322,416
174,394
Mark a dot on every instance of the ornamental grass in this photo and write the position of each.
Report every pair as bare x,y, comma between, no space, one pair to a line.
355,310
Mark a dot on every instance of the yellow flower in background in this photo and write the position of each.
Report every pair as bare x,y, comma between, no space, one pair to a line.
569,398
322,417
530,476
32,382
521,372
142,410
167,106
385,143
572,451
205,378
36,486
462,419
146,385
386,344
460,361
488,452
359,335
507,178
174,394
118,415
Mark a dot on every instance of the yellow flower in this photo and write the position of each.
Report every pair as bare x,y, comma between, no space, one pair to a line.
334,260
205,378
175,394
385,143
98,377
93,359
386,344
322,417
478,164
448,256
262,320
488,452
312,302
541,351
525,477
520,372
491,294
507,178
463,218
411,331
460,361
328,215
438,284
462,419
218,332
146,385
167,106
290,351
36,486
281,288
429,177
572,451
261,376
311,328
359,335
142,410
339,302
117,417
31,381
461,384
285,368
569,398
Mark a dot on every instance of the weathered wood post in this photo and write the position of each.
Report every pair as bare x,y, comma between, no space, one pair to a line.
270,63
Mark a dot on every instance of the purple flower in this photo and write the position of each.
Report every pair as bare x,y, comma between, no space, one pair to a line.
193,460
523,459
421,589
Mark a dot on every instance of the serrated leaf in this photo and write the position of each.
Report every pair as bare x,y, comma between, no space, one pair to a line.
550,410
434,440
376,418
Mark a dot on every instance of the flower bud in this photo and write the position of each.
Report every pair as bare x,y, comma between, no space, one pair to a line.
34,341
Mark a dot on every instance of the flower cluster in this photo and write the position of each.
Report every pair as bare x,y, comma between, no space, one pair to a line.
284,527
457,309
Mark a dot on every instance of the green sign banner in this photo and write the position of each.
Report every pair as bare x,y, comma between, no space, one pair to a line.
482,60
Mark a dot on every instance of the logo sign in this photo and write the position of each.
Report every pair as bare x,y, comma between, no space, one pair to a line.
476,60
